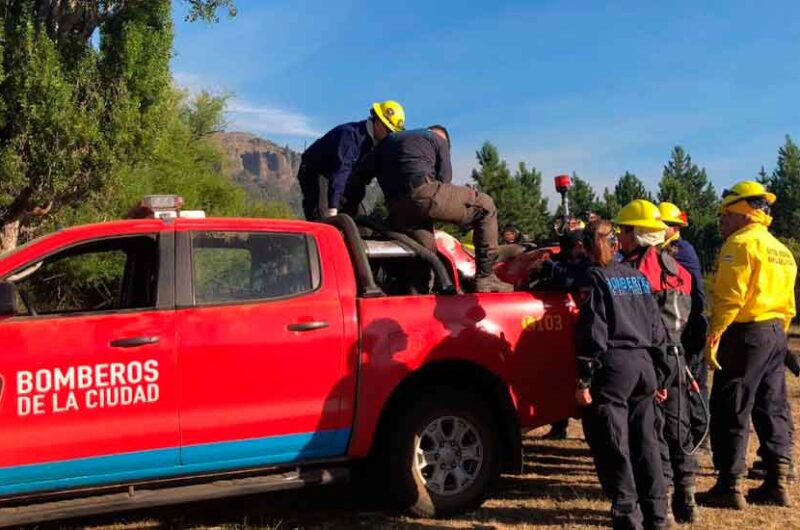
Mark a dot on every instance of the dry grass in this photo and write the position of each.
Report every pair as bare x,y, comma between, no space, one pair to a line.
558,491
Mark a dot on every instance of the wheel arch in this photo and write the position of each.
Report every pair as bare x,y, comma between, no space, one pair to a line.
472,377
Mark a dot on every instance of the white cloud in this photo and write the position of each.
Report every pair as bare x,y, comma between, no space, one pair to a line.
249,117
266,119
194,83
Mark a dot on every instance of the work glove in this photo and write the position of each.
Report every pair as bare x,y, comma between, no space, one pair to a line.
332,212
712,345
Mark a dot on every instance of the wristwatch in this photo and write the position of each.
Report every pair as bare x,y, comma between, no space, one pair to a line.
583,384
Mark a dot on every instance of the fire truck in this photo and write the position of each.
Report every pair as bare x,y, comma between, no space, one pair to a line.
178,358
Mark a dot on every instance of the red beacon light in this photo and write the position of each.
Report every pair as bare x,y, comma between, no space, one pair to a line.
563,183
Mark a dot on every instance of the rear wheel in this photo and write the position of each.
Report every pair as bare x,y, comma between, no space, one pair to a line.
441,453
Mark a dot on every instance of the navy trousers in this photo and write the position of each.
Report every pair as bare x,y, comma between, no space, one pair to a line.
620,427
752,382
674,422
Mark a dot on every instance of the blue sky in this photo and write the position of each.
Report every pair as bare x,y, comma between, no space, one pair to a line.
593,87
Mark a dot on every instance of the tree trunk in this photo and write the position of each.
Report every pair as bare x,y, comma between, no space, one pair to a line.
9,234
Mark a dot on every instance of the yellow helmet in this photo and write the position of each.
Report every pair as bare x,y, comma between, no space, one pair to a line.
671,214
641,213
745,190
391,114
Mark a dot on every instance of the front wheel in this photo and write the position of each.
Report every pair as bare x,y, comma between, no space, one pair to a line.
441,453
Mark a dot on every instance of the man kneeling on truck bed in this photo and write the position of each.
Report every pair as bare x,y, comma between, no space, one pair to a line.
413,170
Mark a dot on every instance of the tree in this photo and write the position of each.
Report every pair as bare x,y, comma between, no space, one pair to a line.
686,185
70,111
609,206
180,163
627,189
519,197
204,113
533,217
785,183
630,188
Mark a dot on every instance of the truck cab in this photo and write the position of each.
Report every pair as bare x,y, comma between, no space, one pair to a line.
149,361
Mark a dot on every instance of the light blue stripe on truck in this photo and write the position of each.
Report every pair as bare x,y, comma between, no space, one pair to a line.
163,463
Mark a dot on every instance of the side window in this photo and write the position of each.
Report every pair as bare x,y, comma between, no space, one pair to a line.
242,266
104,275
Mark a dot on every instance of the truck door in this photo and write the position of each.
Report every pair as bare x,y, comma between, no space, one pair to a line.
88,367
261,350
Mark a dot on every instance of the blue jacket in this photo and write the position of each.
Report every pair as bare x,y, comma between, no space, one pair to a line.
402,162
334,156
695,333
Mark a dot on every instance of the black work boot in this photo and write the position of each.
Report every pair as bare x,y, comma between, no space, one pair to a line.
726,493
774,489
485,279
558,431
492,284
684,505
758,471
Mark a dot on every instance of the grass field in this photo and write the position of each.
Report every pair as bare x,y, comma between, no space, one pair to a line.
558,491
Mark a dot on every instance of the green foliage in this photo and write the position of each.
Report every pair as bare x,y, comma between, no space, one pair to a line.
205,113
686,185
518,197
627,189
72,113
180,163
207,9
785,183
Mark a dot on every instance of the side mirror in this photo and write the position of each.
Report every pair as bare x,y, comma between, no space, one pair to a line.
8,299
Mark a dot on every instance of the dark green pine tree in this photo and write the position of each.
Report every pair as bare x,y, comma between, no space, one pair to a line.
518,198
785,183
609,206
687,185
629,188
533,217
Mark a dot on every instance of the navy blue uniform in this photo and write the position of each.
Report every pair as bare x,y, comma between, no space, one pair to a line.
402,163
565,275
622,352
327,164
694,336
414,172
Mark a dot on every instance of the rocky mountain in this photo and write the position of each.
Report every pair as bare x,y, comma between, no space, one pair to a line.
263,168
268,171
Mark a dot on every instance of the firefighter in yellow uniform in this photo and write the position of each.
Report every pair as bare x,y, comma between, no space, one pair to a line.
752,305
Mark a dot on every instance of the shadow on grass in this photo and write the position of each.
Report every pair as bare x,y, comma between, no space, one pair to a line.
555,473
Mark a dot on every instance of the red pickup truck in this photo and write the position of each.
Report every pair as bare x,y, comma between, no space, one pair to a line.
152,361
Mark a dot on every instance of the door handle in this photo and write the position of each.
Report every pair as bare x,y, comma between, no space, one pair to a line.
134,342
307,326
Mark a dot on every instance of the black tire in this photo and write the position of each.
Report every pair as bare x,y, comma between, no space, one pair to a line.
402,475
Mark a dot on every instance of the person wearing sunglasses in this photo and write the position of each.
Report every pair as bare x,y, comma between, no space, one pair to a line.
752,306
642,234
621,345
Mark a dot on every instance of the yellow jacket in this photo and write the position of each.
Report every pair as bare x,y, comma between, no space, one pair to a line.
754,282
